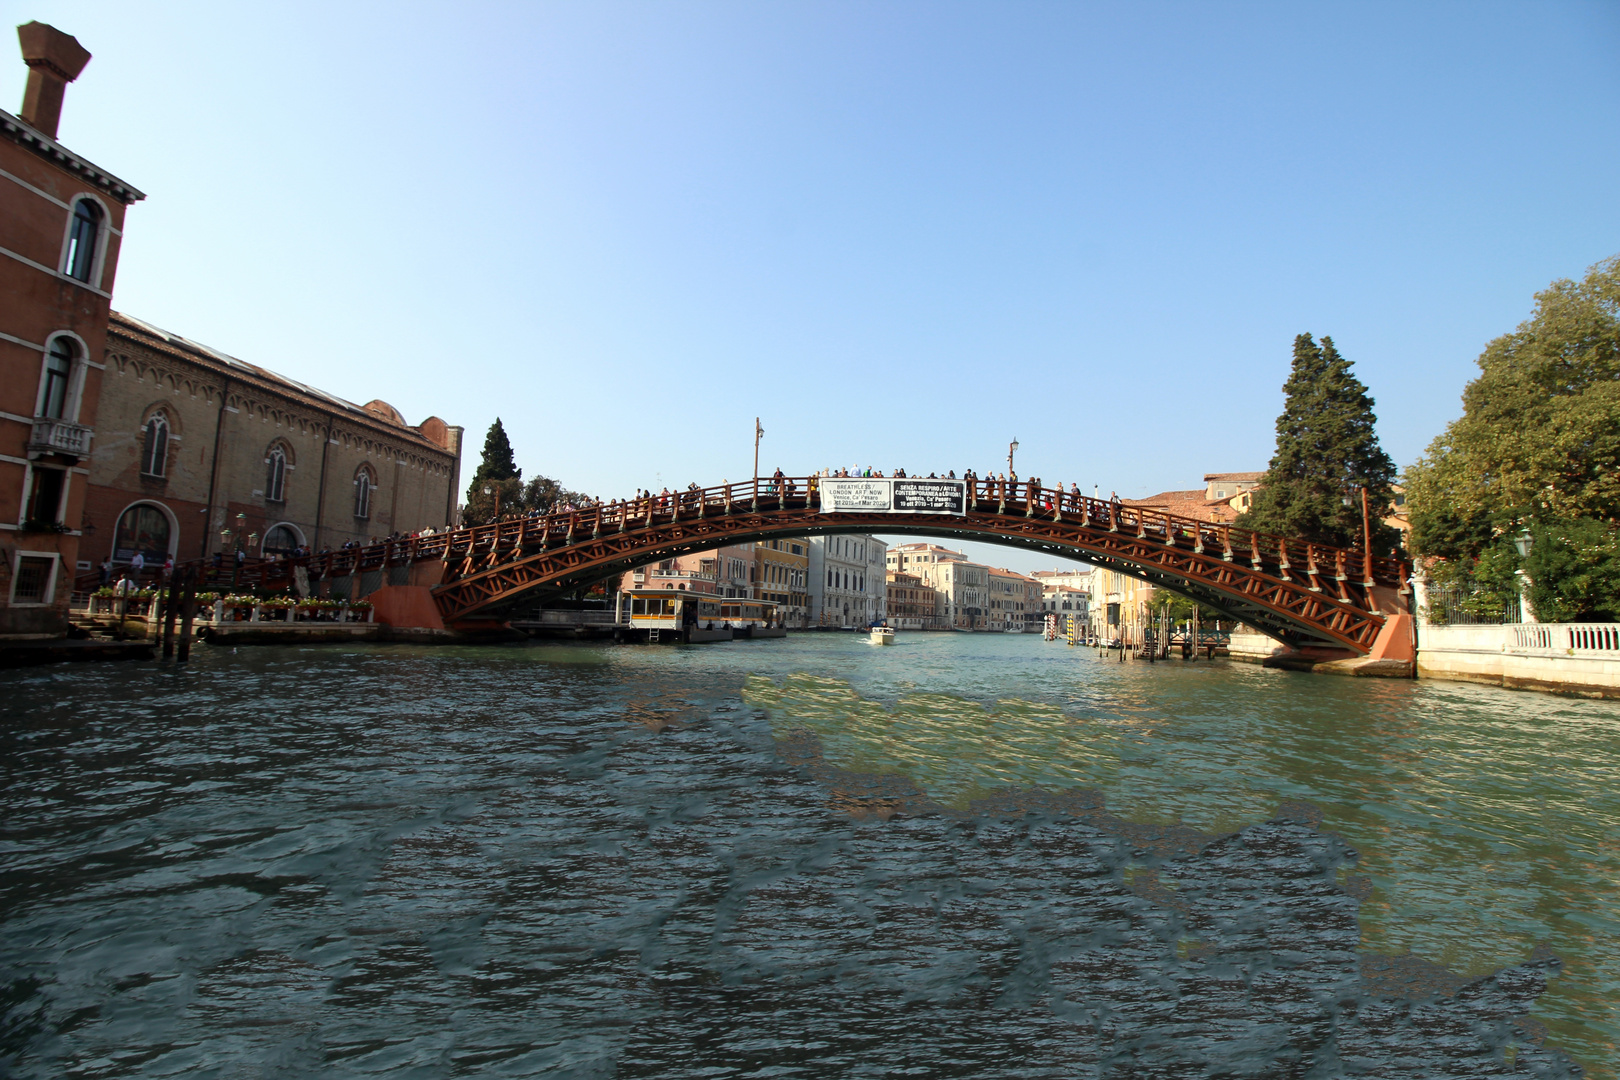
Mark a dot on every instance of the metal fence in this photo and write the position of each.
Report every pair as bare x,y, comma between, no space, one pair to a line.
1452,606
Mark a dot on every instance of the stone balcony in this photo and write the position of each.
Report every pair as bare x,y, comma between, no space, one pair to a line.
59,437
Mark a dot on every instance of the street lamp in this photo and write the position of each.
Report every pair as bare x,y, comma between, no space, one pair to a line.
1523,542
496,491
1012,448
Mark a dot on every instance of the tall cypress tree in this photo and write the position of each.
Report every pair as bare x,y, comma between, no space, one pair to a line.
1327,454
497,463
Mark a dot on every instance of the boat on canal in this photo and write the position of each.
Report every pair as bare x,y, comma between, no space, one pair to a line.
882,634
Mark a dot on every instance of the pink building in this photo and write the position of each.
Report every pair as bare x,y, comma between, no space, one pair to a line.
726,571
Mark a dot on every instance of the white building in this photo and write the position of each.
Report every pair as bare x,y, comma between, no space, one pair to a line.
847,583
919,558
1061,600
1074,577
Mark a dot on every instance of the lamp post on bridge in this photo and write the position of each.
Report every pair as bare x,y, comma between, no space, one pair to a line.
758,432
1012,448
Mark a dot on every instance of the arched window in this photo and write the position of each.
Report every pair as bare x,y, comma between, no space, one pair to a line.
82,239
281,540
364,485
143,528
155,447
58,373
275,480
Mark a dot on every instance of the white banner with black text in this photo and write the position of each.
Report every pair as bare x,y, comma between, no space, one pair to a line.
893,496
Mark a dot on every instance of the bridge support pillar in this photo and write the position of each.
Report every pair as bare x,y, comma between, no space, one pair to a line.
1394,641
406,607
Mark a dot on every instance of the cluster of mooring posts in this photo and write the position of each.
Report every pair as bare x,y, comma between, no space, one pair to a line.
1159,639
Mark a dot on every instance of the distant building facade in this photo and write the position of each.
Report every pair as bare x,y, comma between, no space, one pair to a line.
1075,577
726,571
964,589
1015,601
1224,486
1066,601
914,558
848,586
782,576
1120,606
913,603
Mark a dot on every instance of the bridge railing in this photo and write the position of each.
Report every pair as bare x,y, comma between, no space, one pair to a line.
1316,566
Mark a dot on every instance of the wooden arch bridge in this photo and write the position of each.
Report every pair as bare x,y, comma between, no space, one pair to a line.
1306,595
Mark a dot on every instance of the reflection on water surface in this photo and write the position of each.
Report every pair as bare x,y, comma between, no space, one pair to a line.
560,860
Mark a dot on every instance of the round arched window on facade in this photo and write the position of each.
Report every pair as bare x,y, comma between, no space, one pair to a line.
144,528
280,540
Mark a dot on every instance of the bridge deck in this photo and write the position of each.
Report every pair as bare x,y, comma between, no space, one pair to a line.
1317,590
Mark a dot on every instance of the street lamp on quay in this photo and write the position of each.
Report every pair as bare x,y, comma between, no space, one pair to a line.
1012,448
1523,543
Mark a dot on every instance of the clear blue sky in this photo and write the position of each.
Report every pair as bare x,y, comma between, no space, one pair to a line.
901,234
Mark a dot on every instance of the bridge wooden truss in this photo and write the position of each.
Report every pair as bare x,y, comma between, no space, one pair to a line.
1303,594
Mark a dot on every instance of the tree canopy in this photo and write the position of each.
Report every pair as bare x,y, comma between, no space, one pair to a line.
1540,432
1537,448
498,471
1327,454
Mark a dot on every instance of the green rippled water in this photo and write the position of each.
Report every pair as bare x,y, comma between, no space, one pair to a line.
368,839
1486,819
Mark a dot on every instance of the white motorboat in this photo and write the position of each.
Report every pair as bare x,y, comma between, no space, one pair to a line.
883,635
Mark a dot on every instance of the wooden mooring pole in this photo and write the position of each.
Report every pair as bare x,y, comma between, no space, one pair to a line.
170,598
188,609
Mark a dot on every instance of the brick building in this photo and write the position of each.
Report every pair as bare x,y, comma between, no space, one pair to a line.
200,452
913,603
60,231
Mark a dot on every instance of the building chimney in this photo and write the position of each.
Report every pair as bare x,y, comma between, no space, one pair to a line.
54,59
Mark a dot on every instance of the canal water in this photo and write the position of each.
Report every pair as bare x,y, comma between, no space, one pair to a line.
965,855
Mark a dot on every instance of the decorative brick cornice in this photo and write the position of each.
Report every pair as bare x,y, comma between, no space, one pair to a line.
126,334
48,148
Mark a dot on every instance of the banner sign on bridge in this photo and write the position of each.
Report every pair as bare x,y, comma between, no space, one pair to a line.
893,496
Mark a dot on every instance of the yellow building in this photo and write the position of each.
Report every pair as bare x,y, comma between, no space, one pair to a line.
1120,606
1015,602
782,575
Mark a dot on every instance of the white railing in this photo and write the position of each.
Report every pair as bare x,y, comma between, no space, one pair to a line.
60,437
1568,639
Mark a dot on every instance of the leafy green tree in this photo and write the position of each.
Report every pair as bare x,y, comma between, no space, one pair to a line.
542,495
1537,447
480,508
1540,430
1182,608
1327,454
1574,571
